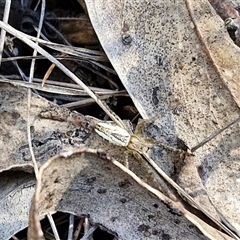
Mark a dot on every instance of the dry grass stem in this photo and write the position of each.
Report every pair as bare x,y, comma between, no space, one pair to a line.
33,45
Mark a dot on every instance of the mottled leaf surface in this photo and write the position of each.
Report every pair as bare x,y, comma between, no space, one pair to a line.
176,60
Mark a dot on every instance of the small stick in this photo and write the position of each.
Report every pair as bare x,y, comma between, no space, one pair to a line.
3,31
214,135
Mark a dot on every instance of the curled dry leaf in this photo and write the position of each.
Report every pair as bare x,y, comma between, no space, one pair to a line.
84,184
176,60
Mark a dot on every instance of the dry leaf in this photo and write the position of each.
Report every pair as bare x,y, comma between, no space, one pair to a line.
17,189
176,60
48,137
84,184
108,176
13,101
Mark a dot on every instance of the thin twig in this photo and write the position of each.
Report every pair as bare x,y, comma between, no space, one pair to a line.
89,233
37,4
214,135
49,216
29,91
15,238
3,32
86,225
70,227
53,226
78,229
60,35
89,54
79,59
62,87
